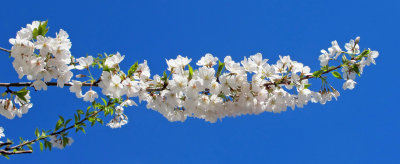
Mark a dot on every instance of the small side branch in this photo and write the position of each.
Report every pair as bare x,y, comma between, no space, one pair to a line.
28,84
15,152
3,49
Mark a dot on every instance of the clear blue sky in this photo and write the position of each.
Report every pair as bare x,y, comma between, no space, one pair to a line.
363,126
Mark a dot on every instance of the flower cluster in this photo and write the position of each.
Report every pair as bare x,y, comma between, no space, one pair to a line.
350,67
120,118
9,109
42,58
209,94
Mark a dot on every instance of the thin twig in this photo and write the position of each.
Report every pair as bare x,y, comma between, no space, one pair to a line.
3,49
28,84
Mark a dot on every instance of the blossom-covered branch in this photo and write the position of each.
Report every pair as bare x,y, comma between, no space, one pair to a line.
214,90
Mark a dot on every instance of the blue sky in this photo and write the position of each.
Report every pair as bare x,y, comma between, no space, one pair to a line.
363,126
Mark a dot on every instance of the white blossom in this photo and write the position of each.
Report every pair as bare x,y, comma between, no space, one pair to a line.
324,58
349,84
114,60
208,60
76,88
90,96
39,85
84,63
352,47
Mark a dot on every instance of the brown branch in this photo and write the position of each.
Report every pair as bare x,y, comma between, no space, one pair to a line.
9,51
28,84
5,144
95,84
15,152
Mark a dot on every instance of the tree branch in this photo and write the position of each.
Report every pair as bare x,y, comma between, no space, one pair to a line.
5,144
96,84
28,84
7,151
3,49
15,152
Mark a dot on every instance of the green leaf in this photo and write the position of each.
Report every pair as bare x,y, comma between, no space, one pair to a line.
99,120
318,73
58,125
306,86
40,30
111,111
344,59
61,118
164,78
79,111
82,129
6,156
133,69
35,33
66,122
44,28
37,132
104,100
356,69
91,119
363,54
337,74
220,66
21,94
190,72
65,141
105,68
29,146
47,144
76,118
325,68
41,146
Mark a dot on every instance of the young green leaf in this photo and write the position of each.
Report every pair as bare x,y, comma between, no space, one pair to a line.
220,66
337,74
318,73
356,69
21,94
37,132
41,146
363,54
190,72
133,69
164,78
